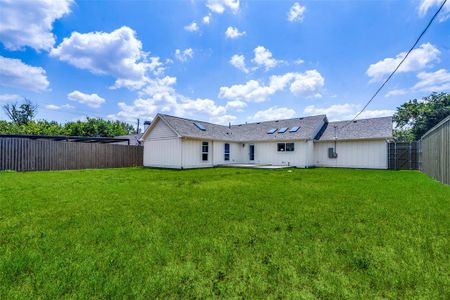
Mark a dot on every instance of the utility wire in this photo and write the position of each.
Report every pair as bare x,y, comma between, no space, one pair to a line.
398,66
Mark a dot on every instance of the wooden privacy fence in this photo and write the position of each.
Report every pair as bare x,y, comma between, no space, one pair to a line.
35,155
435,159
403,156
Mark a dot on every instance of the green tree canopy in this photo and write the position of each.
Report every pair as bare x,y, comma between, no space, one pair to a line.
93,127
415,117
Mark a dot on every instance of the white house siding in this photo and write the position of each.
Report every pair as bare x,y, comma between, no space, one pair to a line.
191,153
162,147
219,153
164,153
267,153
161,131
370,154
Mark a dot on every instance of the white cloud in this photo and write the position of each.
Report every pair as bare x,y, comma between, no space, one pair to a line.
397,92
251,91
223,120
425,5
142,108
238,61
191,27
219,6
184,55
14,73
118,53
367,114
58,107
159,95
299,61
419,58
10,97
274,113
438,81
307,84
346,111
233,33
236,105
206,106
206,19
263,57
296,13
333,112
30,23
92,100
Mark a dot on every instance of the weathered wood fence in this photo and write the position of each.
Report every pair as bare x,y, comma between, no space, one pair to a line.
34,155
403,156
435,148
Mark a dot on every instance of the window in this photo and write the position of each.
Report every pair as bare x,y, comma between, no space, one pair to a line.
332,153
226,152
294,129
286,147
283,130
205,148
200,126
271,130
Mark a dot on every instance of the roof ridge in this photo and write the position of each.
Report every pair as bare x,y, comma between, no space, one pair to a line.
341,121
193,120
299,118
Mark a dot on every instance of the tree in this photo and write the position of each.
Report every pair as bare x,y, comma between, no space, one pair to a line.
93,127
21,114
98,127
415,117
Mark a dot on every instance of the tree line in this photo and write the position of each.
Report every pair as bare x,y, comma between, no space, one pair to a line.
22,121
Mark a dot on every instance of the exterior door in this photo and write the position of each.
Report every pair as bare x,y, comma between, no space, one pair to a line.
251,152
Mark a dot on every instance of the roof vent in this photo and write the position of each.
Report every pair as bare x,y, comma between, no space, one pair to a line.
355,121
277,121
300,118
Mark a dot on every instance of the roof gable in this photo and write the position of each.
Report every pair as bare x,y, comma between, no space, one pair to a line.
155,123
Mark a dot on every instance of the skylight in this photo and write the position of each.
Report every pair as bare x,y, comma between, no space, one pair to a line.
200,126
294,129
283,130
272,130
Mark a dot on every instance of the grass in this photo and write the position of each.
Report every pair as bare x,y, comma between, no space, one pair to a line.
229,233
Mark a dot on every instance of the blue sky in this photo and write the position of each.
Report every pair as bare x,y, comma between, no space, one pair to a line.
218,60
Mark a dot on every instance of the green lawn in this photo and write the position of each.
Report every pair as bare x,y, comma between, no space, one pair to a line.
317,233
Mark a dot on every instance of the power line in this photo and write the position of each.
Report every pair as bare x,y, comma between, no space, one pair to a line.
398,66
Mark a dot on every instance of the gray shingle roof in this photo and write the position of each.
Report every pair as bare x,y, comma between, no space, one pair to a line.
360,129
313,127
309,126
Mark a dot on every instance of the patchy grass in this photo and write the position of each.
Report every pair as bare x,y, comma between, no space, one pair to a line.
318,233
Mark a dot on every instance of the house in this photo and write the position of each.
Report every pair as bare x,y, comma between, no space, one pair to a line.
174,142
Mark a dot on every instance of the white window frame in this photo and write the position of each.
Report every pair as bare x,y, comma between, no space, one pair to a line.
205,144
